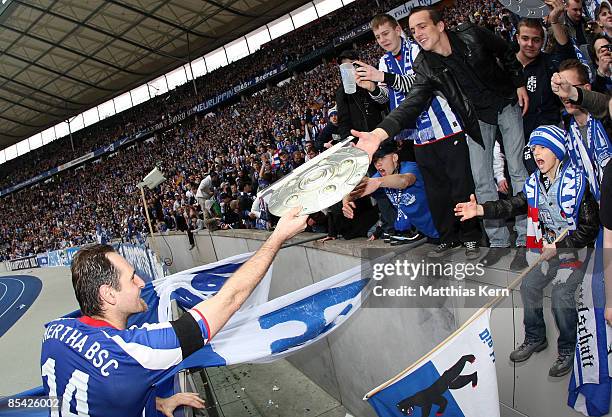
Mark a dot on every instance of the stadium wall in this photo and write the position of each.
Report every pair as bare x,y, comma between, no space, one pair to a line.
376,344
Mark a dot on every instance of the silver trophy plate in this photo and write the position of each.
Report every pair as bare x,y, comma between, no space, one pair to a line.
527,8
320,182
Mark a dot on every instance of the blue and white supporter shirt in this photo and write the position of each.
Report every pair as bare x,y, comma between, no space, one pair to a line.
99,370
438,121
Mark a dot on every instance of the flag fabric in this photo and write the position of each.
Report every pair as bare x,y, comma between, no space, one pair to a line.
456,379
194,285
261,331
589,389
277,328
275,162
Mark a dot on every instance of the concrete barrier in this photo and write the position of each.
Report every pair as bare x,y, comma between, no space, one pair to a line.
378,343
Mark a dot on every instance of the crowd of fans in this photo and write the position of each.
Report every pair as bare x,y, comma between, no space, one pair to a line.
102,200
62,212
283,50
248,145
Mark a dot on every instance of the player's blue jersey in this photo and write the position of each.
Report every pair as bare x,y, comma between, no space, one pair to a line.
99,370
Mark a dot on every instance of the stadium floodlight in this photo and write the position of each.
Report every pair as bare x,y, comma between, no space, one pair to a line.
153,179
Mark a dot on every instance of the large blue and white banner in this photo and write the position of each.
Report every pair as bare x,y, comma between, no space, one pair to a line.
456,379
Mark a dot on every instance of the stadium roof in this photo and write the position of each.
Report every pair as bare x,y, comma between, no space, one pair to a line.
59,58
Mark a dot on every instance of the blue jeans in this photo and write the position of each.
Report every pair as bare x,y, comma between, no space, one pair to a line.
510,124
563,302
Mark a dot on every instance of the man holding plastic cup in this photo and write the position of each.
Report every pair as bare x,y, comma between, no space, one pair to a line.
440,145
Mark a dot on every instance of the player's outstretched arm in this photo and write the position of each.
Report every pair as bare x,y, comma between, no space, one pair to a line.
218,309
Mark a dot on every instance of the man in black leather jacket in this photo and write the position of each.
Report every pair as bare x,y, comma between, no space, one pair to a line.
479,75
549,212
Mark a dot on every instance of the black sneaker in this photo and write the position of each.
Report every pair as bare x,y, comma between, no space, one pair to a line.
563,365
406,237
493,256
386,237
519,262
524,351
472,251
442,249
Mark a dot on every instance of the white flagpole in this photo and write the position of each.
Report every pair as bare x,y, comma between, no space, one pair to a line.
490,304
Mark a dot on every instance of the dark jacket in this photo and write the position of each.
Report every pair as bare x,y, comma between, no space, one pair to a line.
357,111
588,217
481,50
544,105
594,102
329,133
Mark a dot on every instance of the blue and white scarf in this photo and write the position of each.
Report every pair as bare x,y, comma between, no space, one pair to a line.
593,155
403,66
571,185
582,58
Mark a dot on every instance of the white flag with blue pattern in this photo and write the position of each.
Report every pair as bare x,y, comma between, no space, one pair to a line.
261,330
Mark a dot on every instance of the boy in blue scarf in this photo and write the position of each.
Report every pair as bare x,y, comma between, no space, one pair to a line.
556,198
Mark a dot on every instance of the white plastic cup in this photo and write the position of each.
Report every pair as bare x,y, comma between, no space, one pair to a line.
347,72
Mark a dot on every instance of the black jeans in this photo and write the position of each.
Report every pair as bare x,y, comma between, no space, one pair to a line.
445,166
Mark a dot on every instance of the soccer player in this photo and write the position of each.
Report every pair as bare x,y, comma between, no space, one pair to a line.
101,368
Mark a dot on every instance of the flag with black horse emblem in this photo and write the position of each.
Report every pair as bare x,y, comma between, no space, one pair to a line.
456,379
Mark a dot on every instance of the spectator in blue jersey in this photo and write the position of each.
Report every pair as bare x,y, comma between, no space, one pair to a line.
403,185
480,77
99,367
440,147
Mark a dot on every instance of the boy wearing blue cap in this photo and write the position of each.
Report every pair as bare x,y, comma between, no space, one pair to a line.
556,197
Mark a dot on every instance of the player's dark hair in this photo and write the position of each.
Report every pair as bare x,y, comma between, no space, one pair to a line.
434,13
90,270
